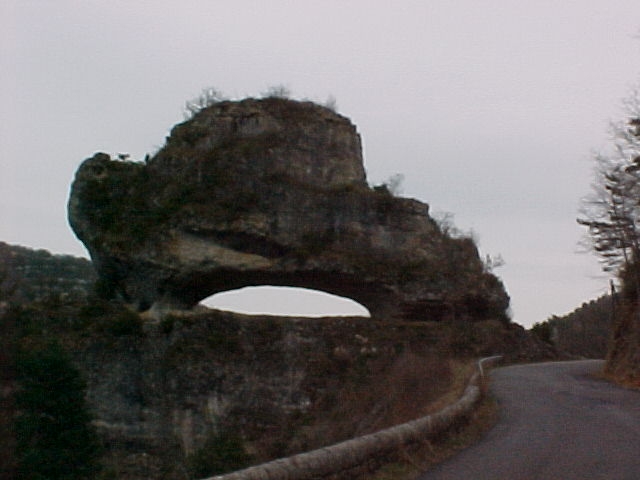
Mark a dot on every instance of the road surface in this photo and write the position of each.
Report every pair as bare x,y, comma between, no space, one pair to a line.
556,422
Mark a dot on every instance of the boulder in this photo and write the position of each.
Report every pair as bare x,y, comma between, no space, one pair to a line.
270,191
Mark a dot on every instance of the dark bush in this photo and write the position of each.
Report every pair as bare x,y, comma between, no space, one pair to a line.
125,322
222,452
54,437
542,330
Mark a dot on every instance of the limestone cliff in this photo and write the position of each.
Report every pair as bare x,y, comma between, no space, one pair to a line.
271,192
158,391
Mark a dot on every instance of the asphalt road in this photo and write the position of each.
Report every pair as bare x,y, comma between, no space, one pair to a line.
556,422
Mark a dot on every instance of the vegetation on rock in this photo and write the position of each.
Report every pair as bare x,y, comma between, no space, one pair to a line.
54,438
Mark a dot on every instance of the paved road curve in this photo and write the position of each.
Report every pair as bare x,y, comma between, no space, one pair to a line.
557,422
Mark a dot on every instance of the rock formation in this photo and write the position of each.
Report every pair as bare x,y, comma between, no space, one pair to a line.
270,192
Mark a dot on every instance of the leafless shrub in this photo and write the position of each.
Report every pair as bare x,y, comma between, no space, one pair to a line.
331,103
208,97
277,91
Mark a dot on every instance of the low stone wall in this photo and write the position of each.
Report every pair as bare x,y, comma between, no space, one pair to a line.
347,455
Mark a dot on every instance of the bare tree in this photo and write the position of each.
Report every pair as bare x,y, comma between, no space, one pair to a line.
277,91
331,103
209,96
611,213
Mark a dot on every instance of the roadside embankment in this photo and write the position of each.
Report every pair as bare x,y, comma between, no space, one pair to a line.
350,456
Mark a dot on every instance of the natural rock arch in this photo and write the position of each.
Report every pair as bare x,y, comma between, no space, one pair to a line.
270,192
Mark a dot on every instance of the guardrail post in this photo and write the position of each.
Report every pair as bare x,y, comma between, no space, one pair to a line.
490,360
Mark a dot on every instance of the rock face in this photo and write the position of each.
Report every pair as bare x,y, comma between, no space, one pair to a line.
270,192
157,393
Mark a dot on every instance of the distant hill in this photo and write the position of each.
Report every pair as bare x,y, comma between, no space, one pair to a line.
585,332
28,275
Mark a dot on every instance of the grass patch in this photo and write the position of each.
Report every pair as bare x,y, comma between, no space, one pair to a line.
371,394
417,461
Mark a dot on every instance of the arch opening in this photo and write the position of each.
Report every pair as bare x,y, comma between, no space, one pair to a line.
285,302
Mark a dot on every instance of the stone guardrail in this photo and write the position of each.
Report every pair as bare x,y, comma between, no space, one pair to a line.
349,454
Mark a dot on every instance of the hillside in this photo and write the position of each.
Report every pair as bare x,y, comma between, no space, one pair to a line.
585,332
28,275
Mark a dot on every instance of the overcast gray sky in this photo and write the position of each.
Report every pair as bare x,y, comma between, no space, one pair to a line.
490,109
